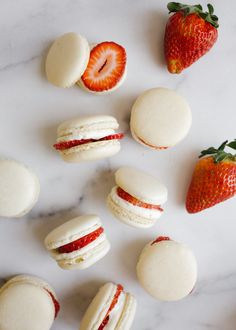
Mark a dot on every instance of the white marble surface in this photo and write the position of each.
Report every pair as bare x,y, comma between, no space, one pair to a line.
30,111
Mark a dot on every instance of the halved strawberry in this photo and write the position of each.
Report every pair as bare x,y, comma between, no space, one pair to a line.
160,239
70,144
106,67
127,197
114,302
81,242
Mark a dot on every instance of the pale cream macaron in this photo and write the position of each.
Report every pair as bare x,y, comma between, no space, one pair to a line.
137,198
88,138
78,243
167,270
19,189
111,309
160,118
27,303
67,60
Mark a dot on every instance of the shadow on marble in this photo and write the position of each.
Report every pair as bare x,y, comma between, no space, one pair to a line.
183,176
154,34
128,255
77,300
45,223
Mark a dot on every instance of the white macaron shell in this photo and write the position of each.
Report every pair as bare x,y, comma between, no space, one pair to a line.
87,124
122,315
19,189
67,59
141,185
160,117
24,306
167,270
72,230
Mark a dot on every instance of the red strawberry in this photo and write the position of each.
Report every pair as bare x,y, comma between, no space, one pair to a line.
105,68
124,195
213,180
81,242
114,302
70,144
190,33
160,239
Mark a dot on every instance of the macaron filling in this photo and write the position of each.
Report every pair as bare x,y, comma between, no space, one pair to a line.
136,202
64,145
160,239
55,302
105,321
150,145
81,242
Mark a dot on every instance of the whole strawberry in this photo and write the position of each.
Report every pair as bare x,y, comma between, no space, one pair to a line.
213,180
190,33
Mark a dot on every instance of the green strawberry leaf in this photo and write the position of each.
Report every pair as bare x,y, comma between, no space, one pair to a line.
232,144
220,154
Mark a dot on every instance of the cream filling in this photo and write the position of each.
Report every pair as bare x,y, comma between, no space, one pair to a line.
137,210
78,253
116,312
93,134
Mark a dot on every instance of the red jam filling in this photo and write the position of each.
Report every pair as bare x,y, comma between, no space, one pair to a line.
154,147
81,242
114,302
127,197
70,144
160,239
55,302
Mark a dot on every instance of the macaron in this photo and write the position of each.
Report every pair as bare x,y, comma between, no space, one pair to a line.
67,60
19,189
137,198
160,118
167,270
106,70
111,308
27,303
78,243
88,138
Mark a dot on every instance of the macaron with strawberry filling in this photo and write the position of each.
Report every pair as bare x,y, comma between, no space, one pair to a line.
137,198
111,308
160,118
88,138
167,270
106,70
27,303
78,243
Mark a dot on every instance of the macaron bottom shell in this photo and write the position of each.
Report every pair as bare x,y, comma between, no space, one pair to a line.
87,259
142,142
91,151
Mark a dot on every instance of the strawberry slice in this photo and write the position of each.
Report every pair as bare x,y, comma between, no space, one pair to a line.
55,302
81,242
160,239
70,144
127,197
114,302
106,67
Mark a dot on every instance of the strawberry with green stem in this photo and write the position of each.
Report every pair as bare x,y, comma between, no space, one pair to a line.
190,33
214,178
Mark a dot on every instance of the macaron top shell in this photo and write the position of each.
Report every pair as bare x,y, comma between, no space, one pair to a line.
99,307
25,305
141,185
160,118
72,230
19,189
86,124
67,59
167,270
